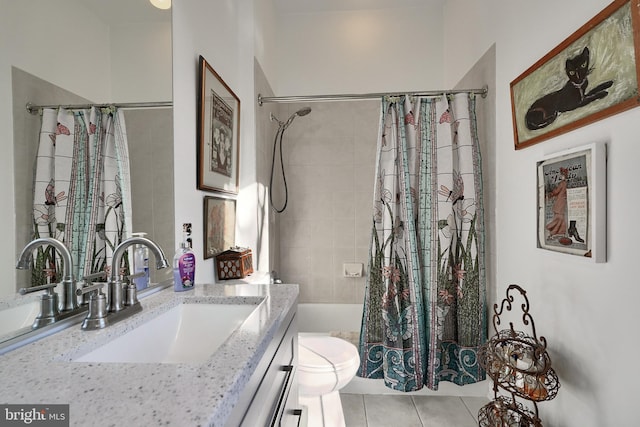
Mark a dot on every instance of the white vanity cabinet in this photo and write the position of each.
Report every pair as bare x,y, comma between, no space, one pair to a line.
270,398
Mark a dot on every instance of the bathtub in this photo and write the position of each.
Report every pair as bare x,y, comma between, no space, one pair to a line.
328,318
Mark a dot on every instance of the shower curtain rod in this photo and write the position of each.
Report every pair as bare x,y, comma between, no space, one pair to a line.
361,96
35,109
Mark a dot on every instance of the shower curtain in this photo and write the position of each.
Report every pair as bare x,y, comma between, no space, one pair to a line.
82,193
425,311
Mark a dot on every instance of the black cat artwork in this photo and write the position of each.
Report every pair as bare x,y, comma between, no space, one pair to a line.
572,95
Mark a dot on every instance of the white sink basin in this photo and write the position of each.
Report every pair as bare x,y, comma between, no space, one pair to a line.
187,333
19,317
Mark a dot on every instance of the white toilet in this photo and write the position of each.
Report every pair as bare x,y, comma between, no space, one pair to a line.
325,365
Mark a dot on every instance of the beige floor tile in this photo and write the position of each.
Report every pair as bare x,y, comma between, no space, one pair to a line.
443,411
410,410
386,411
353,408
474,404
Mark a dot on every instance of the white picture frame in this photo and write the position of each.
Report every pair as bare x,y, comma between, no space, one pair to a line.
572,203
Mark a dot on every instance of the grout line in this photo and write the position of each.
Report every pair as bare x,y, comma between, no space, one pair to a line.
473,416
413,400
465,405
364,409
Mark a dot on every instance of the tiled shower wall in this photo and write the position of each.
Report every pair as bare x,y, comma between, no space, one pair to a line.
329,164
150,135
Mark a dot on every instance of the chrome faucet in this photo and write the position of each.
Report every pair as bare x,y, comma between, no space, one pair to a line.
69,298
115,287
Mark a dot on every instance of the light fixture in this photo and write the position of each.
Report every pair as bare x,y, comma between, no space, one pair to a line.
161,4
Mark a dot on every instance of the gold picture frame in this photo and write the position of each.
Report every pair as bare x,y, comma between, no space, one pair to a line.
219,225
218,133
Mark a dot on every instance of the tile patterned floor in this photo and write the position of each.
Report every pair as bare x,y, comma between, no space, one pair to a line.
373,410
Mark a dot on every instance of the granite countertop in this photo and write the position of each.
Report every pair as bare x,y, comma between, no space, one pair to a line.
117,394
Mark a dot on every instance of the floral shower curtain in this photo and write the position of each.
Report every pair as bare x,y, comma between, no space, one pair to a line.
425,310
82,187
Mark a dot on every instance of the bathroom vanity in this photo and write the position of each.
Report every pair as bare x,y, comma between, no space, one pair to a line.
247,379
270,397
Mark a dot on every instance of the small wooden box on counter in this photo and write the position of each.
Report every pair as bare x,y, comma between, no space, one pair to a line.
234,263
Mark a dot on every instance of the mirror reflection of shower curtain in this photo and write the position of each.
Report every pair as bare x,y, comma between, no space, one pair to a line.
82,189
424,313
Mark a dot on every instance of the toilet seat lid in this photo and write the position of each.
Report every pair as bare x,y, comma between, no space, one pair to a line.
324,352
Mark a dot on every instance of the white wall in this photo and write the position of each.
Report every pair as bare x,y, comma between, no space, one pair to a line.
357,51
586,311
222,32
147,78
265,33
267,251
6,162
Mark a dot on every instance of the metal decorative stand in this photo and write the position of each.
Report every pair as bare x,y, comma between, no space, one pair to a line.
518,364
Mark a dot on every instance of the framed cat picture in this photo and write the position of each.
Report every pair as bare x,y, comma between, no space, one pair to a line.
591,75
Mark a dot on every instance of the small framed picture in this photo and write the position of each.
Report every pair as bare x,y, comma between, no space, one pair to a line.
572,202
218,133
219,225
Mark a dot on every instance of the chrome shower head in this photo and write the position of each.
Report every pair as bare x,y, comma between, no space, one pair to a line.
301,112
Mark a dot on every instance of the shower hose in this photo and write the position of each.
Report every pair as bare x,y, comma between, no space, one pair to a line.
278,141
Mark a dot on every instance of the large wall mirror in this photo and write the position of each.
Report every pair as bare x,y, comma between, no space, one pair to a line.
92,51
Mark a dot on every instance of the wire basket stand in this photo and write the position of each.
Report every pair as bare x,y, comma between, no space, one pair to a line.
520,367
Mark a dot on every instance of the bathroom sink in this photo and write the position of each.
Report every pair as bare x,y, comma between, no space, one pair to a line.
187,333
19,317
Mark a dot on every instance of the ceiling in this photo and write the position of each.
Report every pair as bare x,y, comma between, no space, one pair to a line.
114,11
128,11
309,6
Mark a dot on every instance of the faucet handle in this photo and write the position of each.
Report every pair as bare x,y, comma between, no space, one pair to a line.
49,286
90,288
49,311
87,281
91,277
135,276
131,291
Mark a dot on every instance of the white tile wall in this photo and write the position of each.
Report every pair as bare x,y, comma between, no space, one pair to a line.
150,135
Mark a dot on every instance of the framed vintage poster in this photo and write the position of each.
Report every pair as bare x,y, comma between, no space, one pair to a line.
219,225
593,74
218,133
572,202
